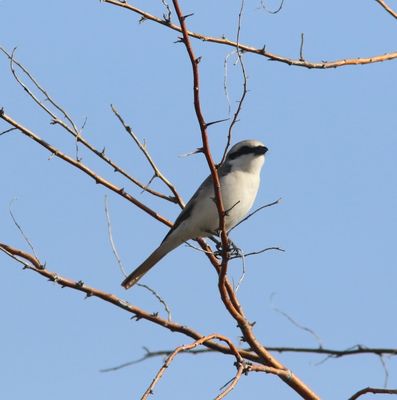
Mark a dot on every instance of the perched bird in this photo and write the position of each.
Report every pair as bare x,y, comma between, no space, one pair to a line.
239,177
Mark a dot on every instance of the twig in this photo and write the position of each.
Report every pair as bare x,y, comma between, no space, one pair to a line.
73,130
27,240
298,325
254,253
387,8
373,391
255,211
110,235
263,6
7,130
239,363
332,353
301,58
259,51
98,179
142,147
245,90
159,298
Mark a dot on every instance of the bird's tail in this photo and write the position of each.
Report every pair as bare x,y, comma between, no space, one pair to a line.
154,258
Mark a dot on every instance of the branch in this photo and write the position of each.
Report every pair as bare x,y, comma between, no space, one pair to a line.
239,363
78,164
232,307
72,128
387,8
373,391
156,170
332,353
227,294
259,51
32,263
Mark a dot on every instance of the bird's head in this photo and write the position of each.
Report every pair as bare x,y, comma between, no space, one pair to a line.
248,156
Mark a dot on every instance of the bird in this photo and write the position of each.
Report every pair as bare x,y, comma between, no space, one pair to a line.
239,177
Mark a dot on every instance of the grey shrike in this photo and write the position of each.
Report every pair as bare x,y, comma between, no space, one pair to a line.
239,179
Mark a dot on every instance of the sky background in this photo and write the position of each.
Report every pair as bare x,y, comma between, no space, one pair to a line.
332,159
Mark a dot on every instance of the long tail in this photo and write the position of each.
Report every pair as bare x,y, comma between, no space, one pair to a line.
149,263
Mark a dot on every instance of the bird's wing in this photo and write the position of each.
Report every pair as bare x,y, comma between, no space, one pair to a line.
188,209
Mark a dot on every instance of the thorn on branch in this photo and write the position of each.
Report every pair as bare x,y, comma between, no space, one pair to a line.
301,58
198,59
186,16
80,284
142,20
216,122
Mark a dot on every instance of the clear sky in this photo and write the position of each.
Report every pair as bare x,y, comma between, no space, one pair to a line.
332,143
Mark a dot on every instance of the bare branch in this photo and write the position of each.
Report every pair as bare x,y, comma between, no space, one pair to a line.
260,51
245,89
98,179
144,150
27,240
373,391
7,130
32,263
332,353
263,6
255,211
387,8
71,128
239,363
159,298
110,235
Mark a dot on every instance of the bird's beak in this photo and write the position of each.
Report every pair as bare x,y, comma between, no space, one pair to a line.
261,150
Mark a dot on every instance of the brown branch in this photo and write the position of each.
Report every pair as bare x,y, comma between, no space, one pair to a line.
156,170
239,364
332,353
387,8
373,391
72,129
32,263
259,51
78,164
227,294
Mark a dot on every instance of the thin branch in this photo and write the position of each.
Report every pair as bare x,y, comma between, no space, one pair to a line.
98,179
373,391
300,326
301,57
25,237
263,6
33,264
110,235
255,211
332,353
259,51
72,128
145,152
239,363
7,130
254,253
159,298
245,89
387,8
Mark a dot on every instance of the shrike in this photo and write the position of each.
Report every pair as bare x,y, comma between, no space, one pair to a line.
239,177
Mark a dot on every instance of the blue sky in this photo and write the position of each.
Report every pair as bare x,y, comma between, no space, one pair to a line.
332,159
